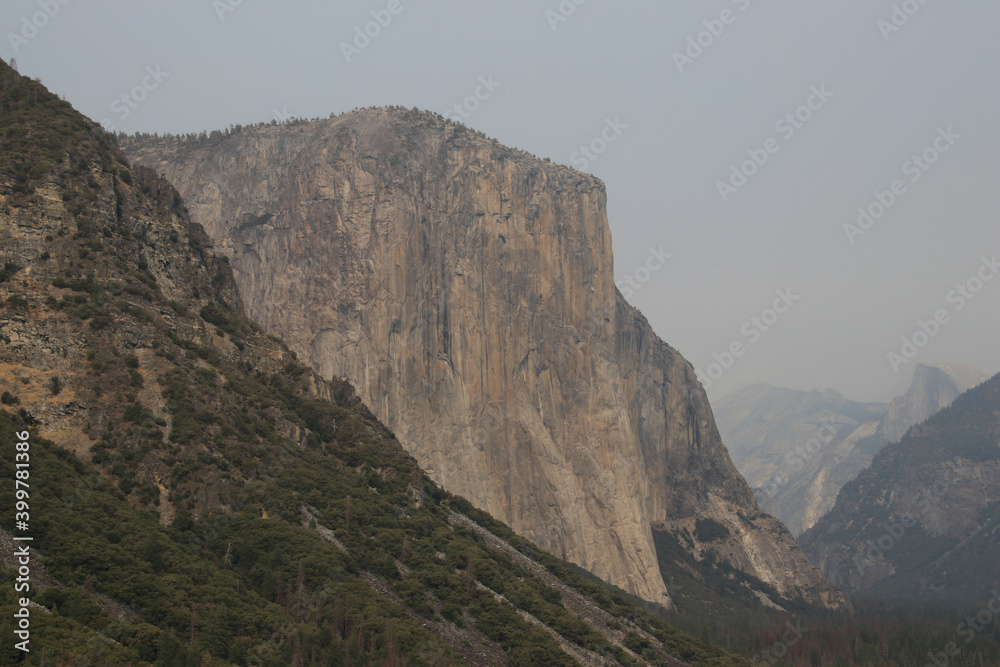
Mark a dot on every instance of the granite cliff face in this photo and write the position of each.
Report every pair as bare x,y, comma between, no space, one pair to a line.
174,451
934,387
467,290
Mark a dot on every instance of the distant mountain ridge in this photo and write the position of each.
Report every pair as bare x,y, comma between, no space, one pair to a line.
934,387
924,518
797,449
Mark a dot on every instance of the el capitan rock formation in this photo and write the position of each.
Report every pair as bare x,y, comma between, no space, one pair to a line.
467,290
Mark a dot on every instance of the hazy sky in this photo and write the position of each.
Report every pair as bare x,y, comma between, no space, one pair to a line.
865,98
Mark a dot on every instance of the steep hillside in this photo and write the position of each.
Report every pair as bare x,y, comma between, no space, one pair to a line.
924,519
199,497
466,289
796,449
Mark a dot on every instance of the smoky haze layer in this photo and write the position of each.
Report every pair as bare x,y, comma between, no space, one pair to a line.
687,126
797,449
921,523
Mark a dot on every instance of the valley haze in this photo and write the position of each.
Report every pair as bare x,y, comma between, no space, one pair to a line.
523,333
893,89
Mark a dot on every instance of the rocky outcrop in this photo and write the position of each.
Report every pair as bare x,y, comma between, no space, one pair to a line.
467,290
797,449
934,387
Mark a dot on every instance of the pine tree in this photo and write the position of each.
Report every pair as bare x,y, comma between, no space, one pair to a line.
9,655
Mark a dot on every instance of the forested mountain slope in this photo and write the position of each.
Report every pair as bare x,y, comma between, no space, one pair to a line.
200,497
924,519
